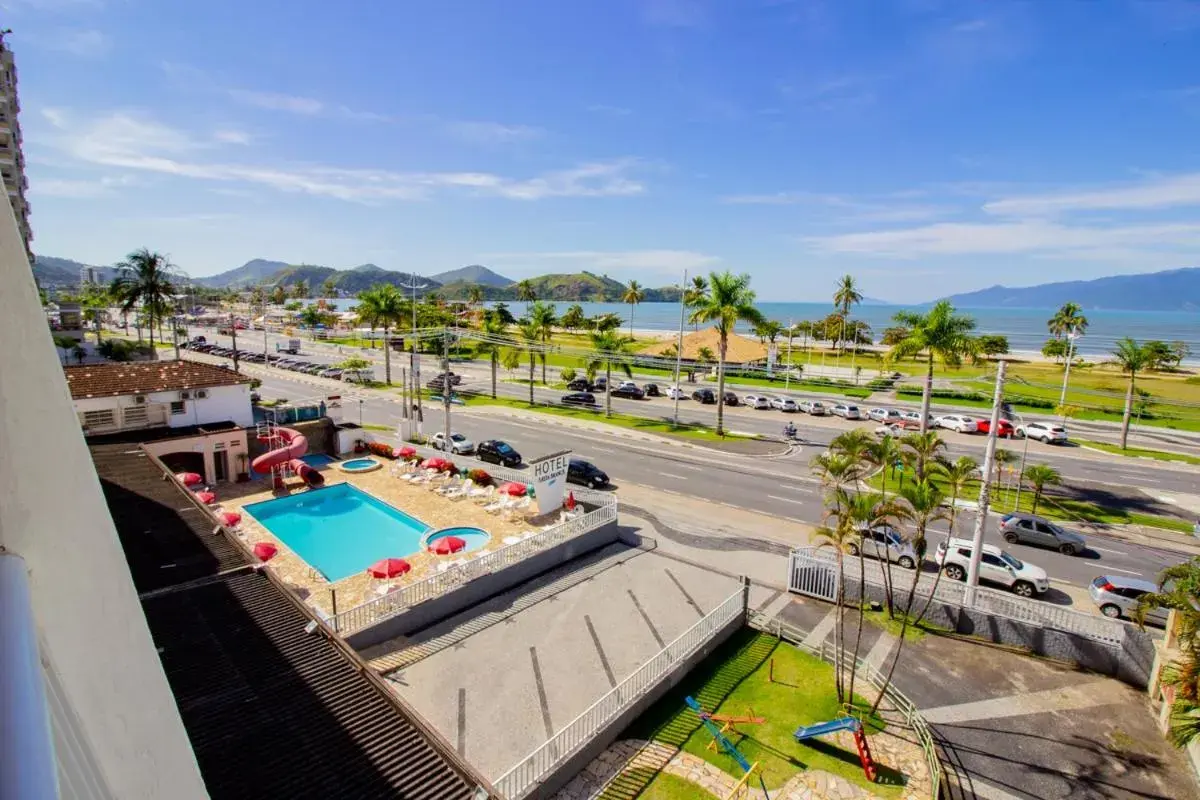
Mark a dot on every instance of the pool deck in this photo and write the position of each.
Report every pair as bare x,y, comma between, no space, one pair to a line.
419,501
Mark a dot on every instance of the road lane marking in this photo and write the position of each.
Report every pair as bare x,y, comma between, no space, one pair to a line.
795,487
604,450
1106,550
689,466
1126,571
788,500
676,477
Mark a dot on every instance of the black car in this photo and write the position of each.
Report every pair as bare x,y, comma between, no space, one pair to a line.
579,385
630,392
455,380
705,396
731,399
601,385
585,473
651,390
578,399
497,452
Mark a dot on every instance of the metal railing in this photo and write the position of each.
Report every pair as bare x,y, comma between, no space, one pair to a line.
522,778
991,601
909,715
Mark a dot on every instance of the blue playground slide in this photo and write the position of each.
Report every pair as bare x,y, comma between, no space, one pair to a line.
822,728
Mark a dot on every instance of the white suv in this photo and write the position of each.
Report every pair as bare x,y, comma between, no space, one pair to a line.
785,404
846,411
814,407
995,566
1043,431
957,422
459,444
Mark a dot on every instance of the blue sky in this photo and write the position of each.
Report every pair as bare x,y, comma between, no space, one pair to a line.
926,147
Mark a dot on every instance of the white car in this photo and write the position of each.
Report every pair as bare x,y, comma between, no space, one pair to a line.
786,404
756,401
1043,431
814,407
628,385
995,566
889,416
846,411
884,541
894,431
913,419
675,393
957,422
459,444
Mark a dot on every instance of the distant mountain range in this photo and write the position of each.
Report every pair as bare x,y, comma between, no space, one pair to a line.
1171,290
475,273
52,271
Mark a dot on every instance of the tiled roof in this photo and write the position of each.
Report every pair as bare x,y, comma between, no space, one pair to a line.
110,380
271,710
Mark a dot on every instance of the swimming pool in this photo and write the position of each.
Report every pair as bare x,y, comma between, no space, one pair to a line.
475,538
359,465
317,459
339,530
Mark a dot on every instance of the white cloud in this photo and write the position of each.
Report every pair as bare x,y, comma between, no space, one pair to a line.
1165,192
132,141
231,136
845,208
663,261
492,132
274,101
78,189
81,43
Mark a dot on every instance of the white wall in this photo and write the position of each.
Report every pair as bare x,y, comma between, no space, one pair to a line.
232,442
223,403
95,642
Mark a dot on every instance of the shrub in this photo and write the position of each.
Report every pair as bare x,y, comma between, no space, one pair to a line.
381,449
945,394
480,477
568,374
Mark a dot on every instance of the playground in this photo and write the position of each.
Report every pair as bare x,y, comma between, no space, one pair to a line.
776,710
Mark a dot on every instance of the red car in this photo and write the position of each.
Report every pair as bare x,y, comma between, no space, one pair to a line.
1004,429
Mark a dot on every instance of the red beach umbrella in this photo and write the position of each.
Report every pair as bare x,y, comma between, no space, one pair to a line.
570,504
189,478
513,489
447,545
437,462
265,551
230,518
406,452
208,498
389,568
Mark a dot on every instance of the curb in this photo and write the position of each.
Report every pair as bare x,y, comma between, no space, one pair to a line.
1179,466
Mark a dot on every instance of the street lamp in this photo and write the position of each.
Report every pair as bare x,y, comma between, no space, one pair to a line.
416,360
1062,399
1021,471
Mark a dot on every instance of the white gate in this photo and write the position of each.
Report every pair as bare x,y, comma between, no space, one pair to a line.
813,572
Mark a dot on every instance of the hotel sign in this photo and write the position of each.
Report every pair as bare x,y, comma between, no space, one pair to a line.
550,480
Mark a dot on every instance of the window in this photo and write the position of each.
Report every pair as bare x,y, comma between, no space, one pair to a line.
178,407
992,561
1015,563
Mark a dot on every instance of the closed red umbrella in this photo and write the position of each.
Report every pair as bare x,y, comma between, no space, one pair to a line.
406,452
265,551
230,518
189,478
570,504
514,489
447,545
389,568
437,462
208,498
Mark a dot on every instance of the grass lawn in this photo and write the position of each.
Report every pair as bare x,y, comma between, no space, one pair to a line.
671,787
1139,452
733,680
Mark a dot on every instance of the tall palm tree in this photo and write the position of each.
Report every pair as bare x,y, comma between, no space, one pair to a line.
856,444
492,344
884,454
957,476
1039,476
300,289
531,337
279,295
384,304
606,322
844,298
921,451
940,333
838,538
694,295
634,294
1068,319
610,349
145,279
329,288
526,292
475,294
1131,358
729,300
541,315
1002,459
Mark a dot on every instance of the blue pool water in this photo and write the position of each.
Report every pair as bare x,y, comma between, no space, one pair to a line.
317,459
359,464
340,530
474,537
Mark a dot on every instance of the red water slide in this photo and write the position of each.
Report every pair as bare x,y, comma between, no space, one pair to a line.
295,444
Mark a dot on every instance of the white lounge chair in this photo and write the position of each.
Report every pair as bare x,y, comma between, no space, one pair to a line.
483,494
498,505
460,491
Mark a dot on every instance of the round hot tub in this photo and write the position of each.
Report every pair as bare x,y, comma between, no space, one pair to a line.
359,465
473,538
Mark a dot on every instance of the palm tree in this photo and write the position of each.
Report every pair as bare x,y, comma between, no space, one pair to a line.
1178,587
329,288
1002,459
921,450
531,337
574,319
64,343
95,302
384,305
838,538
492,344
541,315
526,292
279,295
957,476
846,297
1039,476
884,454
1132,358
729,300
1068,319
145,279
693,296
475,295
634,294
300,289
610,349
941,333
856,444
705,355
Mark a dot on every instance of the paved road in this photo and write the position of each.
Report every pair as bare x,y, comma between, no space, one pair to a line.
782,487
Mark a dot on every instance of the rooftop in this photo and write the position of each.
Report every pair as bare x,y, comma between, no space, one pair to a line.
271,710
112,380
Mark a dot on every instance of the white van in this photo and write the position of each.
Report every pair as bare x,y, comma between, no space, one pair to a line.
358,375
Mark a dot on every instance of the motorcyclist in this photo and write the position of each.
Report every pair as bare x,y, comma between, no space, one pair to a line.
789,431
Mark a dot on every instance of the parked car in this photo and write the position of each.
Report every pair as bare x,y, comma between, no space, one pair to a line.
497,451
600,384
731,399
1043,431
199,340
895,431
889,416
1032,529
995,566
578,399
814,407
333,372
458,444
705,396
785,404
455,380
885,542
629,391
579,385
756,401
585,473
651,390
846,411
912,420
1118,597
674,392
1004,428
956,422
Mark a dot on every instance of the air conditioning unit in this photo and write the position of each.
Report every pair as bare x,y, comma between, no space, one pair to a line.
139,399
201,394
185,395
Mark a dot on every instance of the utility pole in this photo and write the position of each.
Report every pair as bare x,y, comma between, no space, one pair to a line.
416,358
787,371
266,348
679,345
174,335
233,333
1021,472
446,388
985,486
